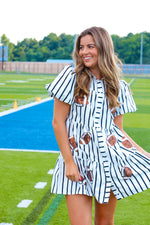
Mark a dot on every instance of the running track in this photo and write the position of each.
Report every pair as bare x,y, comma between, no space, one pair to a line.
28,128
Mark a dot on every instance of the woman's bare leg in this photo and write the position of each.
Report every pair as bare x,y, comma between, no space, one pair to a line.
80,209
104,213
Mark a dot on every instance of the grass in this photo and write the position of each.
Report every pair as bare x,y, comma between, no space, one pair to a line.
23,170
20,171
133,210
25,88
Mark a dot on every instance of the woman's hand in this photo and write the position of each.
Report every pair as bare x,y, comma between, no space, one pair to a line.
71,171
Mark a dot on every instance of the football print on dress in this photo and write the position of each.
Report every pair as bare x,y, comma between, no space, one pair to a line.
81,101
126,172
73,143
85,138
126,143
111,139
89,174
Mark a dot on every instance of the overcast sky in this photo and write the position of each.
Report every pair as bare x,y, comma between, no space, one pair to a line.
21,19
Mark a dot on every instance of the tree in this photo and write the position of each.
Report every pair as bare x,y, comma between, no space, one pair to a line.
10,51
51,41
128,48
61,47
4,40
19,54
146,48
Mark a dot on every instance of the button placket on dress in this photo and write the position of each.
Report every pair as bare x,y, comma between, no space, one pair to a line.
101,136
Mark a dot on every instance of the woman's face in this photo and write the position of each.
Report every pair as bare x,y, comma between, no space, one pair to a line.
88,52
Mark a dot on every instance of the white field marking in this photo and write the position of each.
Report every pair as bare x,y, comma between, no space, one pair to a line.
40,185
51,171
28,150
2,83
33,90
38,79
24,203
131,81
17,81
24,107
6,223
5,99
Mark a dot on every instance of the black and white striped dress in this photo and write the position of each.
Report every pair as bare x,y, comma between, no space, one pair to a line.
106,159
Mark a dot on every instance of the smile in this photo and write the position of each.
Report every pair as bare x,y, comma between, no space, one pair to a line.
87,58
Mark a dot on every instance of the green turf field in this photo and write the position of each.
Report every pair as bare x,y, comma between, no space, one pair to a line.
20,171
24,88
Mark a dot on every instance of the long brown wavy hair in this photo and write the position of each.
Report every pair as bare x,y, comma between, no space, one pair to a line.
107,63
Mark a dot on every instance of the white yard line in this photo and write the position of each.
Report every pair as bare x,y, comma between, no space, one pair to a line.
6,224
17,81
51,171
131,81
24,203
40,185
28,150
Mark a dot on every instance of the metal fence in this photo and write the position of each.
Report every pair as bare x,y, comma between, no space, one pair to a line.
136,69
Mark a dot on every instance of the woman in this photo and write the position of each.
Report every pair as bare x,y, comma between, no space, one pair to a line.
97,157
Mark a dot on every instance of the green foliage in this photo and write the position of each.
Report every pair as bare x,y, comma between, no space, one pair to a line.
51,47
61,47
128,48
4,40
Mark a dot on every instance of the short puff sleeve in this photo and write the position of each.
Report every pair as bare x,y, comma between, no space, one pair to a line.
62,87
126,100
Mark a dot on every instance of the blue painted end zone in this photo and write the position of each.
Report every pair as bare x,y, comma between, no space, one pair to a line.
30,128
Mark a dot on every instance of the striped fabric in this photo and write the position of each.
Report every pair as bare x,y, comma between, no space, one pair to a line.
105,157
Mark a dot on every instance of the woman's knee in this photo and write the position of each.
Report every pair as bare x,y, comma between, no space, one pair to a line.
104,213
103,221
79,209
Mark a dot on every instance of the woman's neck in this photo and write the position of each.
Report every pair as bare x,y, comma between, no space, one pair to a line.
96,73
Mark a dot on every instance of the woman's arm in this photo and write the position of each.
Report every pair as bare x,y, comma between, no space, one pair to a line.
118,120
61,111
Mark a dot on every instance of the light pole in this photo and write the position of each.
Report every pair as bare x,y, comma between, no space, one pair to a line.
141,51
75,38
